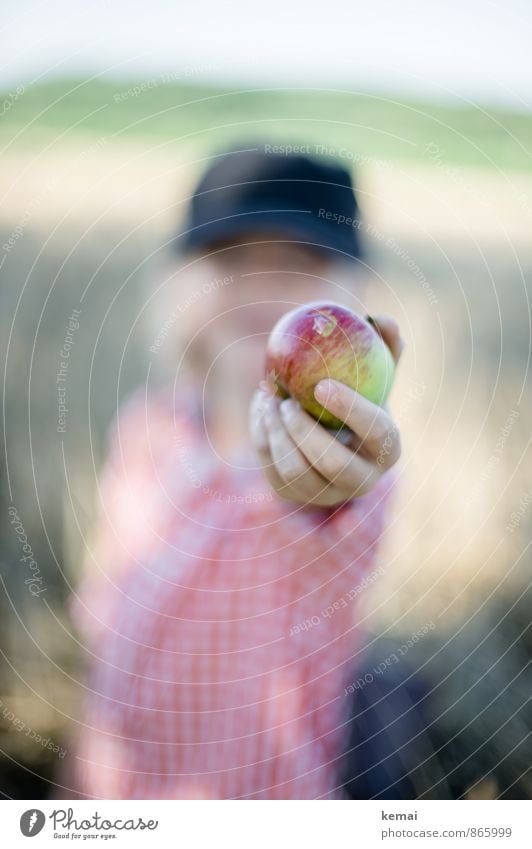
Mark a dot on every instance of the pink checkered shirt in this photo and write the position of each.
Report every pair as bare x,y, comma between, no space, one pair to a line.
219,620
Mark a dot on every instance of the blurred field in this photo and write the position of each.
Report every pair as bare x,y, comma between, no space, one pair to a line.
93,188
176,113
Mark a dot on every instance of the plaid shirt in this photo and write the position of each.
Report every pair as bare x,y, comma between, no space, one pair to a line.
219,620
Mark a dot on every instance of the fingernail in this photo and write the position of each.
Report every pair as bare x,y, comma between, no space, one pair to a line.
288,407
324,390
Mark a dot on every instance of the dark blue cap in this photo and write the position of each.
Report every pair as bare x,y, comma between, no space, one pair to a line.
302,198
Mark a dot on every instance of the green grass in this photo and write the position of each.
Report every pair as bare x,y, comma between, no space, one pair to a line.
354,125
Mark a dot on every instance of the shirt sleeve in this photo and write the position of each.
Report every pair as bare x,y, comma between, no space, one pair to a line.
128,515
338,563
338,546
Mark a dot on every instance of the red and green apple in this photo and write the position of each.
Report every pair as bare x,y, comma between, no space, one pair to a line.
326,340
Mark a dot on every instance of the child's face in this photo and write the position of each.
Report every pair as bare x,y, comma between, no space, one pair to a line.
267,279
246,288
254,283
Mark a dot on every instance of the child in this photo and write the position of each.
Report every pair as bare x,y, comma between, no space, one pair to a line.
236,533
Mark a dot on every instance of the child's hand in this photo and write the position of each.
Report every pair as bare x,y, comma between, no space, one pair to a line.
307,464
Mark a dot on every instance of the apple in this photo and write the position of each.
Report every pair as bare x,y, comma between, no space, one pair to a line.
322,339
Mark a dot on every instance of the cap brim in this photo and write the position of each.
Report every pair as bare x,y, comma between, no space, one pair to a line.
298,227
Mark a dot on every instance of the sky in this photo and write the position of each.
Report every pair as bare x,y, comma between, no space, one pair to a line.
474,50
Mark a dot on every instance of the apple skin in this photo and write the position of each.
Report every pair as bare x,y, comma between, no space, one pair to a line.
324,339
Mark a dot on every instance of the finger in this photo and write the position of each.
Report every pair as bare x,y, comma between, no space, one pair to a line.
350,472
257,427
377,433
290,463
327,495
389,330
303,485
259,435
261,403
